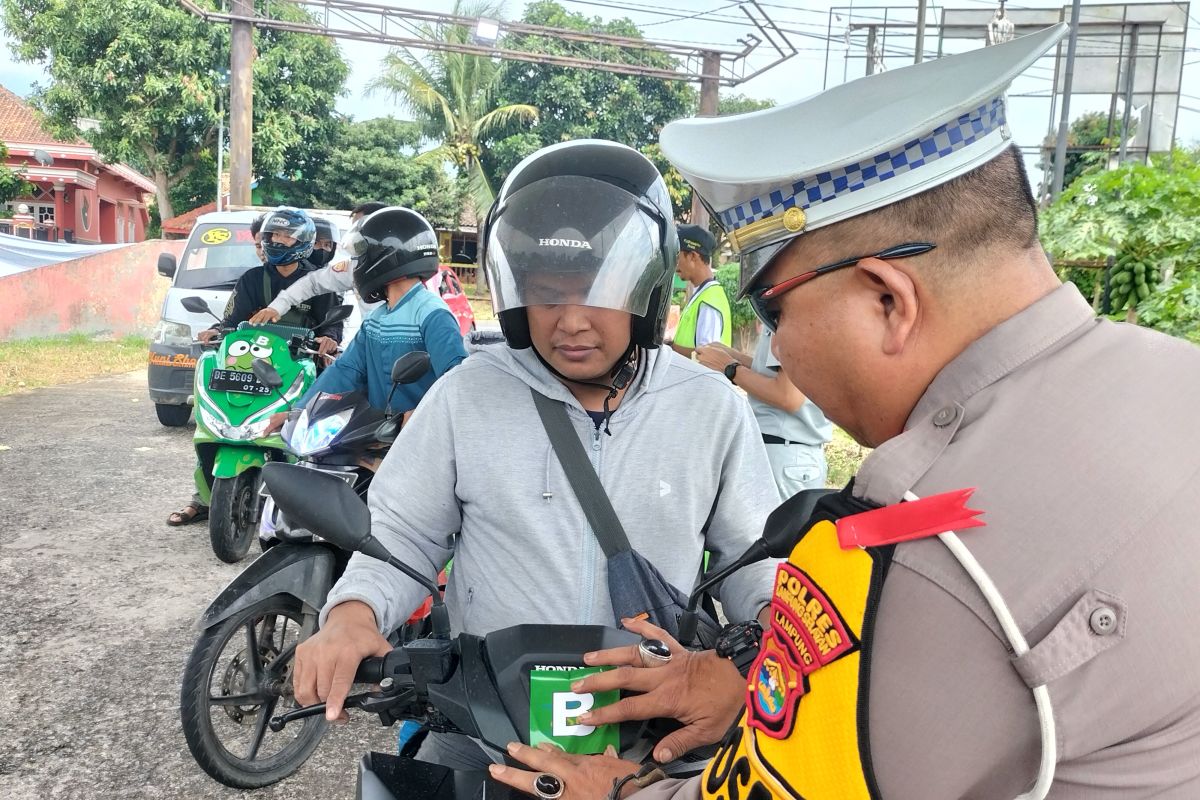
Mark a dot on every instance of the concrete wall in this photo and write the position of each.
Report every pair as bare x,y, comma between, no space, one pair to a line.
118,292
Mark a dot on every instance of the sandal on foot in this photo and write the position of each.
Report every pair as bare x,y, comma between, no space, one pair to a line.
188,514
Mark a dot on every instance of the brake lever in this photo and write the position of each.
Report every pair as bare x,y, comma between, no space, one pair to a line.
277,723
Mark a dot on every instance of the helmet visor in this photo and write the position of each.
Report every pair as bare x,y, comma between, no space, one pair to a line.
354,243
574,240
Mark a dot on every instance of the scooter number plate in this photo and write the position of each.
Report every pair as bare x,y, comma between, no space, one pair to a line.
229,380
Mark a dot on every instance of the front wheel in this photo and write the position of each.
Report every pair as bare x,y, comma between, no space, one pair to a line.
238,676
173,416
233,515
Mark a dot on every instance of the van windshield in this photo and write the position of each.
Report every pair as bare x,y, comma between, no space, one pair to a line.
216,256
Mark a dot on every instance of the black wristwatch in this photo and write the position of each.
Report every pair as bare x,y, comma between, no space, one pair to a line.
731,370
740,643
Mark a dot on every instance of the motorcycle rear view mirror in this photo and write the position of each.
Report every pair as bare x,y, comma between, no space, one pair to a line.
334,316
196,305
410,367
327,505
266,373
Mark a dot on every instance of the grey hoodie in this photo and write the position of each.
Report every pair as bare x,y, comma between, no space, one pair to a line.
475,460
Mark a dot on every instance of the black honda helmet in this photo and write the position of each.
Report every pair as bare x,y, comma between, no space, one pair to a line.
390,244
587,222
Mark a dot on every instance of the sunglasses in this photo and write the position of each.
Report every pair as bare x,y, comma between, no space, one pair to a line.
763,300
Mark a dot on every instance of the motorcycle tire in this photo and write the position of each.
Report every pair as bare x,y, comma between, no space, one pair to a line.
233,515
173,416
204,721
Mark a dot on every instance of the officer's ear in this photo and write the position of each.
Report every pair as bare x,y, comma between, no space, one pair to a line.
896,302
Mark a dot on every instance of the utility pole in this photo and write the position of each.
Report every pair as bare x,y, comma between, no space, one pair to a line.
871,34
920,54
709,85
1064,121
241,102
222,87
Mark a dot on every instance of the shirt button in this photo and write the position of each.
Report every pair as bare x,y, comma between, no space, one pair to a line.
945,416
1103,621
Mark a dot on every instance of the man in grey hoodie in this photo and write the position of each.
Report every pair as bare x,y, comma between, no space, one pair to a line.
580,250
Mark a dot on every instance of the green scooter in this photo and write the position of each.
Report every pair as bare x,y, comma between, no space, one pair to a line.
233,408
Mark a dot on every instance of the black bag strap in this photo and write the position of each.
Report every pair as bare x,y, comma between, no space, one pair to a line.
584,480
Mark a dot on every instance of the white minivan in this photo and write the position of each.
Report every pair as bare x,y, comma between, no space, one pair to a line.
219,249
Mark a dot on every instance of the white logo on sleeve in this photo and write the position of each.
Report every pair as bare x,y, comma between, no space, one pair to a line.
664,488
567,707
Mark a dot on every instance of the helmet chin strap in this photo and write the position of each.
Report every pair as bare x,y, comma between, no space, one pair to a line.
620,376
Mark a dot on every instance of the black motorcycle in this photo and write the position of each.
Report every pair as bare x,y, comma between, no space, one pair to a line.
239,672
479,686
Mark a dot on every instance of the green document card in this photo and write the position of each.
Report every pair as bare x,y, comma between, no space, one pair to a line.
554,710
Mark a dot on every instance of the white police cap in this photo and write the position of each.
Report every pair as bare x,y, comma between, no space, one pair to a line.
770,175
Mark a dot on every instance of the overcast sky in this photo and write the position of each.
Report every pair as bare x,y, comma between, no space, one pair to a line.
821,57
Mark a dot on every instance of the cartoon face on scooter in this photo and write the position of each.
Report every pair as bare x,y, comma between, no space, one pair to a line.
241,354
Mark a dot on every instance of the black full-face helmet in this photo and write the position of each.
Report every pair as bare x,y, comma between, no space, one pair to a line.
587,222
390,244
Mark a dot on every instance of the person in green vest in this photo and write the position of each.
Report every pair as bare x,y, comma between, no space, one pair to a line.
705,317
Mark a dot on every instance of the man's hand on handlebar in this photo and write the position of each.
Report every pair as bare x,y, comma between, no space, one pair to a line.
275,422
265,317
326,347
207,335
326,663
700,689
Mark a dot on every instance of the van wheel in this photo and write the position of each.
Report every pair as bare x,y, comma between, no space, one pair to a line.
173,416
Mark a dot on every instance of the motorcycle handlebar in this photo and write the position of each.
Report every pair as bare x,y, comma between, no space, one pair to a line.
374,669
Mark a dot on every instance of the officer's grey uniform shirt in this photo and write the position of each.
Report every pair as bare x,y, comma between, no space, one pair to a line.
1083,440
806,426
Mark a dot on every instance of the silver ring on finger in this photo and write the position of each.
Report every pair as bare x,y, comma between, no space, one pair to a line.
547,786
654,653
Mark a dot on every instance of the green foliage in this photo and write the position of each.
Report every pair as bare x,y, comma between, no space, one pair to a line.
376,160
453,96
1144,214
1175,307
148,72
1088,135
583,103
741,104
12,185
743,315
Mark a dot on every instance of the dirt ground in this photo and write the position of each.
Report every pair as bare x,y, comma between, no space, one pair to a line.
98,599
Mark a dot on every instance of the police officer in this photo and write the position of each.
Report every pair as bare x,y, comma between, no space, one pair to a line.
705,316
1046,647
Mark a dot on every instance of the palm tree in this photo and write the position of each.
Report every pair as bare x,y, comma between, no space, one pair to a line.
452,95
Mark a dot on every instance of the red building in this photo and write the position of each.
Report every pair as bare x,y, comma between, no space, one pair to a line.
79,197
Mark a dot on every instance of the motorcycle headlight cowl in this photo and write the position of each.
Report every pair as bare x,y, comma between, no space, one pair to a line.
237,433
312,436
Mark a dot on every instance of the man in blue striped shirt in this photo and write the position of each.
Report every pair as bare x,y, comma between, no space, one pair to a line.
395,250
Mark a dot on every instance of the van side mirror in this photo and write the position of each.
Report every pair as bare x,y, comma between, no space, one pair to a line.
167,265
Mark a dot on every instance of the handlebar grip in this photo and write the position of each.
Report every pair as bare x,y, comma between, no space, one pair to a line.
371,670
394,665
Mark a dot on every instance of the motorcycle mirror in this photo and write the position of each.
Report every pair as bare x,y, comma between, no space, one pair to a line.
327,506
780,533
196,305
266,373
322,503
334,316
410,367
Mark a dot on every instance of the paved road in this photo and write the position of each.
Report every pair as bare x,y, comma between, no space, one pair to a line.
97,602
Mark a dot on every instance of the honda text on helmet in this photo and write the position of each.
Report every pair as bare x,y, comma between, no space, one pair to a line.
387,245
287,236
586,223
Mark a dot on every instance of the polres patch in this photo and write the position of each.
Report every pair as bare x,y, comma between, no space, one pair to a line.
776,685
806,618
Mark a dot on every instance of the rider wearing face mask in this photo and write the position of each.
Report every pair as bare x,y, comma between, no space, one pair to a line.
336,277
580,249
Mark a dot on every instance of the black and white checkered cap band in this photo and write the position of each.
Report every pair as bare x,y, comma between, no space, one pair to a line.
810,191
